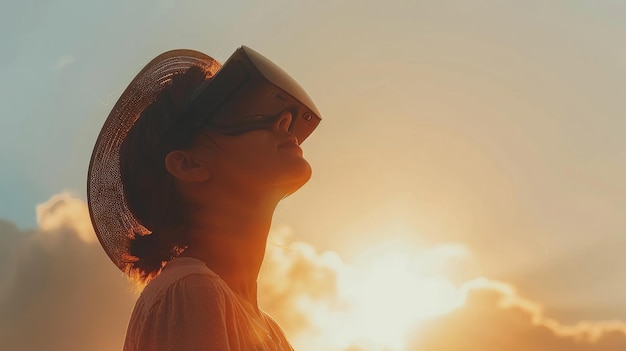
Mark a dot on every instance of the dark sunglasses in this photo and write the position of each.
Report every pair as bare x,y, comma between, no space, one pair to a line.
248,124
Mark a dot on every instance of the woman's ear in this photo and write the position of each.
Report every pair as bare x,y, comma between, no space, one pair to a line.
184,165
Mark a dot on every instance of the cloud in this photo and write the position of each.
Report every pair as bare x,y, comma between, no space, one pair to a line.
63,211
10,239
293,278
305,291
64,61
324,303
59,291
495,317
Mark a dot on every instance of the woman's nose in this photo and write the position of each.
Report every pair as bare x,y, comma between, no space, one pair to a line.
284,121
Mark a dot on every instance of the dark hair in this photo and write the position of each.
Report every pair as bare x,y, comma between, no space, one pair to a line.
149,189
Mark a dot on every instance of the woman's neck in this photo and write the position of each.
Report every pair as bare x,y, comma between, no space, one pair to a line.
231,239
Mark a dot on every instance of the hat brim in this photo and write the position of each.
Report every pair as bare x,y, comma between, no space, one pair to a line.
113,222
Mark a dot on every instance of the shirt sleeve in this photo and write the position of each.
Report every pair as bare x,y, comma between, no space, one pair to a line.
190,316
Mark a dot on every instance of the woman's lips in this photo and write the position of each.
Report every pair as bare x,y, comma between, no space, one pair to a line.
290,144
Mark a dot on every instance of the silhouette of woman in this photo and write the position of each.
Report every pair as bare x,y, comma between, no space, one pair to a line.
183,183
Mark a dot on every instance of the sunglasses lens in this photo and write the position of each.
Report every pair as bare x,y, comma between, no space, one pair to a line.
246,125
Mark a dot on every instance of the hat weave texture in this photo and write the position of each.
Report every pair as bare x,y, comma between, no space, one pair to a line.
113,222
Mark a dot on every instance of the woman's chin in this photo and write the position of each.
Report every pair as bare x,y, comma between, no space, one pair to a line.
297,178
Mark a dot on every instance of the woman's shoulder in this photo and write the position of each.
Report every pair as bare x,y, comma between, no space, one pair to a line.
181,267
184,279
185,305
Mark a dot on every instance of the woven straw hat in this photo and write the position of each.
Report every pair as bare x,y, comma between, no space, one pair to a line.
112,220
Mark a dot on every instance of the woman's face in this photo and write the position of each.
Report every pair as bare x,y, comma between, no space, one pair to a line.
267,159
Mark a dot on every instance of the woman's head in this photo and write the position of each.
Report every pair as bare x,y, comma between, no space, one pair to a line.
168,166
131,189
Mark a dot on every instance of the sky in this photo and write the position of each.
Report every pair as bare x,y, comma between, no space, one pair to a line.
472,148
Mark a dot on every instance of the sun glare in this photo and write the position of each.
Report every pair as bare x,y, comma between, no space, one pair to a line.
393,292
386,294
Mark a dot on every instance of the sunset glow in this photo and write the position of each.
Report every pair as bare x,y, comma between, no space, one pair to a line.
380,298
396,296
468,172
390,293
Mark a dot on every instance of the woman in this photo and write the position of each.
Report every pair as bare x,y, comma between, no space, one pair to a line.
183,183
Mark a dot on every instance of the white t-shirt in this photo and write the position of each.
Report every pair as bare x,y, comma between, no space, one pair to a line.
190,308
